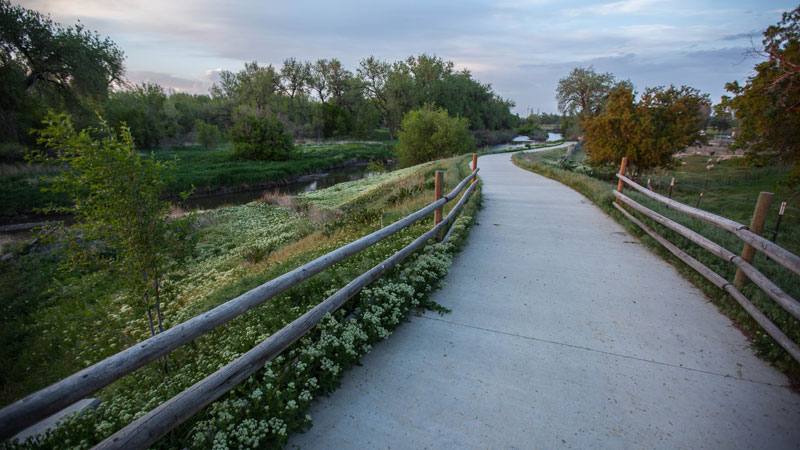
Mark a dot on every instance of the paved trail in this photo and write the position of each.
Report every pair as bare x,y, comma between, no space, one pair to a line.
565,333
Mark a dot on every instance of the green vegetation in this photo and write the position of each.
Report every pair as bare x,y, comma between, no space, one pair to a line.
122,226
208,135
46,312
584,91
429,134
261,137
649,131
206,171
730,190
531,127
44,65
767,107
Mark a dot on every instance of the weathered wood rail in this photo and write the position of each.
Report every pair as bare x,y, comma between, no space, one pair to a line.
751,239
152,426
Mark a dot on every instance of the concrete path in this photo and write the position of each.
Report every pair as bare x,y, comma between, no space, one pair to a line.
565,333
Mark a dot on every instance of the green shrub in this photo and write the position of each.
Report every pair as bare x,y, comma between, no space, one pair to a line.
208,135
261,137
427,134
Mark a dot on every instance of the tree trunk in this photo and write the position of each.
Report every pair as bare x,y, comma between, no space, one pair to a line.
160,320
150,317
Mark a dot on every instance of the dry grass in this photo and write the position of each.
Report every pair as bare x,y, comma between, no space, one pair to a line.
276,197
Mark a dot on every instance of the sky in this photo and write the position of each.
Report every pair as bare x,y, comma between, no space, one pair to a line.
522,48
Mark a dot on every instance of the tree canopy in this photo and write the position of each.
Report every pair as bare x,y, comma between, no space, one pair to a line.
767,107
46,65
648,131
584,91
430,133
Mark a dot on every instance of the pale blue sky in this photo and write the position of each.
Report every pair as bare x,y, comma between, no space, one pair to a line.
521,47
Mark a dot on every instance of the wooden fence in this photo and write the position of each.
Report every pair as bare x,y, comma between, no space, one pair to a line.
158,422
752,240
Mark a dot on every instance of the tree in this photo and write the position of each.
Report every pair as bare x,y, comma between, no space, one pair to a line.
295,75
142,108
584,91
45,63
375,74
122,225
208,135
767,107
427,134
262,137
319,78
649,132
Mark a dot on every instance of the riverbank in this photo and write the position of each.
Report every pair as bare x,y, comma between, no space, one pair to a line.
206,171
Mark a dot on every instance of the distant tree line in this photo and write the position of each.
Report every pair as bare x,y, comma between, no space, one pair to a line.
46,66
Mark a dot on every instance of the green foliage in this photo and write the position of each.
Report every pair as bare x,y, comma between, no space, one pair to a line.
46,65
531,127
208,135
429,134
142,109
261,137
122,225
584,91
399,87
768,105
649,132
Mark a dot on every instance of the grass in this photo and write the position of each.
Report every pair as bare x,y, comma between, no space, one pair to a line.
56,322
206,170
730,190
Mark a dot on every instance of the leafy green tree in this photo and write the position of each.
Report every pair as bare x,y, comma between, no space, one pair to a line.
261,137
584,91
427,134
256,86
767,107
208,135
387,96
531,127
649,132
722,119
46,65
142,108
295,76
122,225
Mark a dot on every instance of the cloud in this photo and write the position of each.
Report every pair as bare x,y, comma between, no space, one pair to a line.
176,83
521,47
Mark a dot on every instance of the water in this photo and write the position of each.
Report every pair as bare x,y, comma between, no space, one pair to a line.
306,183
521,141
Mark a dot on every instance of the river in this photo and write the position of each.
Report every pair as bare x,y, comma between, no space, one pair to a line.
522,141
16,231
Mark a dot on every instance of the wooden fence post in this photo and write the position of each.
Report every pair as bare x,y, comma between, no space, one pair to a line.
756,226
474,165
622,169
437,215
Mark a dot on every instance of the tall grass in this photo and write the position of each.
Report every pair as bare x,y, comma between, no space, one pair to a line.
729,191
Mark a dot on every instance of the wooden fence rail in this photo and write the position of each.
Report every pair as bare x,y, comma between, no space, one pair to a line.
158,422
779,254
61,394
